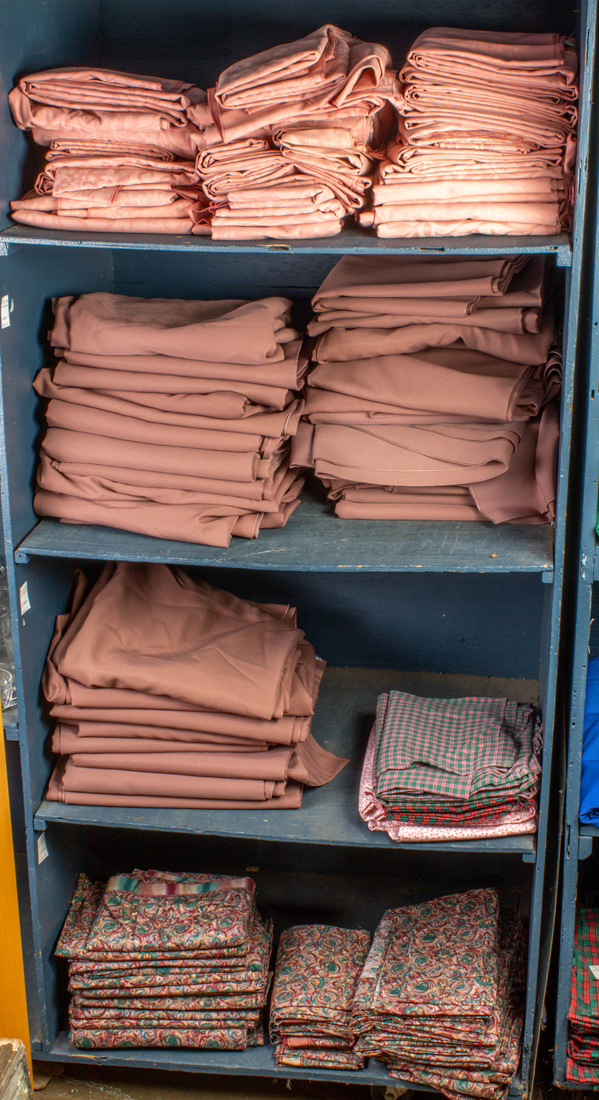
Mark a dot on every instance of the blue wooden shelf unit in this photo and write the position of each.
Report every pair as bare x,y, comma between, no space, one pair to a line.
443,609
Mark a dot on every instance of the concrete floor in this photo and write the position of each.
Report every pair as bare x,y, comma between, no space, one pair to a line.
116,1083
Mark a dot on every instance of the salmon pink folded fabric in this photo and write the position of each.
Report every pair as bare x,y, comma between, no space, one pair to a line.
486,138
181,735
228,330
432,392
291,799
108,129
67,740
340,345
297,128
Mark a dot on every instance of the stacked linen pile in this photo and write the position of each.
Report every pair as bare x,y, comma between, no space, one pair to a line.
121,151
582,1062
451,769
172,693
289,137
144,435
163,960
486,141
440,999
430,397
316,975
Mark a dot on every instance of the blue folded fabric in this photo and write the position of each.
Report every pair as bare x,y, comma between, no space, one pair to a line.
589,782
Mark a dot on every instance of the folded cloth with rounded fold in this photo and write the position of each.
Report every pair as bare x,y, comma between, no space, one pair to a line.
444,380
180,389
342,344
286,370
392,454
290,800
93,172
186,725
66,741
232,330
306,763
416,277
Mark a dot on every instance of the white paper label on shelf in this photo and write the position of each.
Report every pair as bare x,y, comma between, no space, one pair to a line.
24,597
5,311
42,848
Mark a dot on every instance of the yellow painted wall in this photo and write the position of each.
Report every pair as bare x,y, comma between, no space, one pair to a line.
13,1004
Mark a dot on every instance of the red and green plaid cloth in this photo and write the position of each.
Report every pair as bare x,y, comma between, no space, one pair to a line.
582,1063
454,761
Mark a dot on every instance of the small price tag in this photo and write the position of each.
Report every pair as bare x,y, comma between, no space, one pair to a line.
594,971
5,311
42,848
24,598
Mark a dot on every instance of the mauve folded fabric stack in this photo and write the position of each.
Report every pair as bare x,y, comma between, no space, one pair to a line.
316,974
431,393
486,141
441,996
451,769
170,693
166,960
121,156
144,436
289,137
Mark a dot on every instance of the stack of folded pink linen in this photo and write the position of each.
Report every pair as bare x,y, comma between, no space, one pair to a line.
171,693
144,436
289,138
121,153
431,393
486,141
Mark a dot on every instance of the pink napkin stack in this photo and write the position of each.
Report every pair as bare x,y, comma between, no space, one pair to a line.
289,137
121,154
486,140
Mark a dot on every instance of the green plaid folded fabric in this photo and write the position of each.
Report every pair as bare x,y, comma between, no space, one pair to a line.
474,755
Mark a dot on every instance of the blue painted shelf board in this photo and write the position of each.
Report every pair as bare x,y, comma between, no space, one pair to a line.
353,240
588,830
254,1062
342,722
315,540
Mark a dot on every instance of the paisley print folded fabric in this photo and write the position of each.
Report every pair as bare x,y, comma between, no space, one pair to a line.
440,998
317,970
145,953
